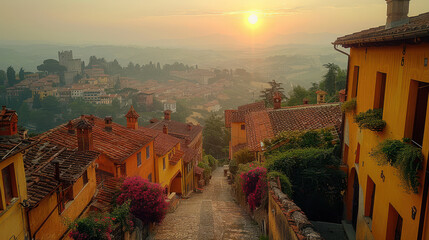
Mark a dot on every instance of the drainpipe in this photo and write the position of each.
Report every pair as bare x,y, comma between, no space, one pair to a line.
423,206
343,116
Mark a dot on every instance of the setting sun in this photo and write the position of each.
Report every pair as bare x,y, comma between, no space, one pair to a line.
253,19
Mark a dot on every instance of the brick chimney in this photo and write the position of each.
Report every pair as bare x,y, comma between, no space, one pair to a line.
132,118
321,95
165,129
84,135
189,126
70,127
397,13
342,95
108,123
305,101
277,100
8,122
56,164
167,114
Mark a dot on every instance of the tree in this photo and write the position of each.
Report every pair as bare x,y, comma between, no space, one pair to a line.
147,200
11,76
329,78
21,74
51,104
51,66
268,94
3,78
215,136
37,102
297,95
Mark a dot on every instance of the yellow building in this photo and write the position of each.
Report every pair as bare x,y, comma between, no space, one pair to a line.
13,187
388,70
13,193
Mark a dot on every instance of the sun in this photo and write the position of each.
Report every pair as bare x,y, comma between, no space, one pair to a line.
253,19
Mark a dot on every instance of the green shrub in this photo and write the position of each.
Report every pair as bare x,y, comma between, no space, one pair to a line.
371,119
233,166
207,170
284,181
349,105
403,156
211,161
244,156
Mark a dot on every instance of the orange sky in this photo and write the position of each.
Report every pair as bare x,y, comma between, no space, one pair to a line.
140,22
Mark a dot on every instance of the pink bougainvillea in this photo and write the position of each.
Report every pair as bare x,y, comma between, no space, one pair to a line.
254,185
147,199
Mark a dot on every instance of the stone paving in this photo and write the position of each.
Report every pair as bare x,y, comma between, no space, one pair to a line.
212,214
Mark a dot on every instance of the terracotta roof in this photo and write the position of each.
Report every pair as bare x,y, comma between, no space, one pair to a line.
117,144
418,27
268,123
178,154
7,115
163,143
107,191
238,147
237,116
132,113
40,170
190,153
177,129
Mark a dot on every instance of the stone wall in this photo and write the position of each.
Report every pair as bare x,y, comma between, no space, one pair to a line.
285,219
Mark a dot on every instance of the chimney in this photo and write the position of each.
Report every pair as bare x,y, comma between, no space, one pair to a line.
305,101
321,96
108,123
132,118
342,95
277,100
84,135
70,127
9,123
92,118
167,114
56,164
189,126
165,129
397,13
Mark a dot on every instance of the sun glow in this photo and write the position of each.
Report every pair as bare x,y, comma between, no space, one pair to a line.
253,19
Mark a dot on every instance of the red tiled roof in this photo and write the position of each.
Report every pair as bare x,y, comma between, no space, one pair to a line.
237,116
108,189
190,153
177,129
238,147
132,113
178,154
40,170
418,27
163,143
267,124
6,115
117,144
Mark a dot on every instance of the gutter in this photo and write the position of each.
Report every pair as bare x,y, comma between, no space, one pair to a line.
343,115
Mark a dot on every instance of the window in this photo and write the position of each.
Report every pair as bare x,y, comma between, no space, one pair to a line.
163,163
85,177
149,177
9,183
417,104
243,127
355,81
369,198
357,153
394,224
139,159
380,88
147,152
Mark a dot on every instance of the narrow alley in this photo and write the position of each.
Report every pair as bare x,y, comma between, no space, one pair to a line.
212,214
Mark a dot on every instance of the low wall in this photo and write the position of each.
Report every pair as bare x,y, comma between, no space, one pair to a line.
285,218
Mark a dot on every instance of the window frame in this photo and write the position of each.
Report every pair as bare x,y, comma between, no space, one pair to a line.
380,90
10,170
147,152
163,164
139,159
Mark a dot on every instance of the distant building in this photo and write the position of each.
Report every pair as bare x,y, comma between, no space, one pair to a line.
170,105
74,66
145,98
212,106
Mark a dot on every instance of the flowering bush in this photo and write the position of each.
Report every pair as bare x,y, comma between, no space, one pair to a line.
94,227
254,185
147,200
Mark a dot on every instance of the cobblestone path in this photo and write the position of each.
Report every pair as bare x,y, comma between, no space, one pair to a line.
212,214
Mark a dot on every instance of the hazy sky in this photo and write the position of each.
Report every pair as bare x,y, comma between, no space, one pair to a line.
146,22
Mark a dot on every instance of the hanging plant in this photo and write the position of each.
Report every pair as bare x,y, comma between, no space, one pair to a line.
371,119
403,156
348,105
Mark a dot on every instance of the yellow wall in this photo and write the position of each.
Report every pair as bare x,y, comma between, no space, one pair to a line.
238,135
12,218
147,167
165,176
386,60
